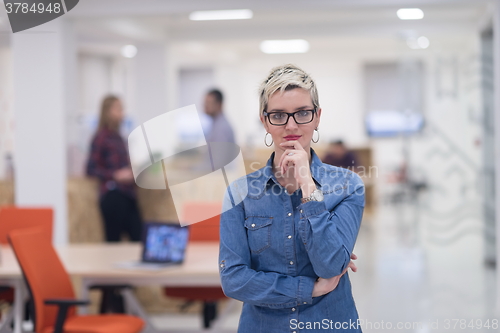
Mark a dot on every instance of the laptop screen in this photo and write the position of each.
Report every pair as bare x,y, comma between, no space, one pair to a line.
164,243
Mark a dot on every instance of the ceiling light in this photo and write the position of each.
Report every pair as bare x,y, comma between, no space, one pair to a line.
284,46
129,51
236,14
423,42
410,14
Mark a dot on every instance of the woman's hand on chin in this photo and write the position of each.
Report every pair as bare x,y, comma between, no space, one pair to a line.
295,156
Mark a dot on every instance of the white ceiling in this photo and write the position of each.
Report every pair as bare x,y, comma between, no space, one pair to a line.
94,8
108,22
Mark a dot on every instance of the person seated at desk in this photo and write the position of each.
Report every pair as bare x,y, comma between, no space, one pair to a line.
338,155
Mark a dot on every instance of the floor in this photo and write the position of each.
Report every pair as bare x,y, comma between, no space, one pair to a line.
414,275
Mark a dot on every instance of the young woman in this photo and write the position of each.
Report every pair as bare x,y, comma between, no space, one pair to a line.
287,230
110,163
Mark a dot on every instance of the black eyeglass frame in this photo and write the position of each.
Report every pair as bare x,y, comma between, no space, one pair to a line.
267,114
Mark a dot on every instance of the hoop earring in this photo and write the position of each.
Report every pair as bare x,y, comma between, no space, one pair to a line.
265,140
318,136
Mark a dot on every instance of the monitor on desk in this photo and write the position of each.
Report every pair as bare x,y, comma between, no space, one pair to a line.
164,243
390,123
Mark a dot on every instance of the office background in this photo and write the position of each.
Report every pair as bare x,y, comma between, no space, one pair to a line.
429,238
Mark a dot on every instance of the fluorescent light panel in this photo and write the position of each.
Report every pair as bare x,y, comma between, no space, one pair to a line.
421,42
129,51
284,46
209,15
410,14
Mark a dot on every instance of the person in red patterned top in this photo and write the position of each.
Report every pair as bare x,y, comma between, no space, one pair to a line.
109,161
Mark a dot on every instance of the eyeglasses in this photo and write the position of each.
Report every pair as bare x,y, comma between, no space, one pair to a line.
281,118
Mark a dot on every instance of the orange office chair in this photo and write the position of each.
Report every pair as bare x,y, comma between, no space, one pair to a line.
11,218
204,231
52,292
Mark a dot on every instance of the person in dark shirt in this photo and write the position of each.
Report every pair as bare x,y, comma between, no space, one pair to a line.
109,161
338,155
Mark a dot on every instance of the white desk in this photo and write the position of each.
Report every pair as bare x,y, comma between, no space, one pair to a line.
96,264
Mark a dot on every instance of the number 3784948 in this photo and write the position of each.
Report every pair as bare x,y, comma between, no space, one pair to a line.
35,8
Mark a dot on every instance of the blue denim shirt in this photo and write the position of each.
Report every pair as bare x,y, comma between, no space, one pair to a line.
273,248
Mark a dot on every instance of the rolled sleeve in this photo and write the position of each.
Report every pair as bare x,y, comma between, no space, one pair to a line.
329,236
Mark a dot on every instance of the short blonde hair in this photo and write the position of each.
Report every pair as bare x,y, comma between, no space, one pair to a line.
286,77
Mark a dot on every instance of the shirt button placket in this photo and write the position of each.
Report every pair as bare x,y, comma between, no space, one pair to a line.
289,246
289,236
295,316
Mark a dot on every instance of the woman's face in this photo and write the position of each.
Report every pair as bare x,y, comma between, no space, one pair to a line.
116,112
291,101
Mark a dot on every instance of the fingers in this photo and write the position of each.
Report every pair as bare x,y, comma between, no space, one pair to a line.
324,286
328,285
284,156
353,267
292,146
285,159
331,283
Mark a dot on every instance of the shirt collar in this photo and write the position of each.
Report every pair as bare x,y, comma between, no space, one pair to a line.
316,170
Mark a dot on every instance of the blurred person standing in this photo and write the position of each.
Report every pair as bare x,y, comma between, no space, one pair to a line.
220,136
109,161
221,130
338,155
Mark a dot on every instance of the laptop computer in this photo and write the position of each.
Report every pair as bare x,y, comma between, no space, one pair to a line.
163,245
